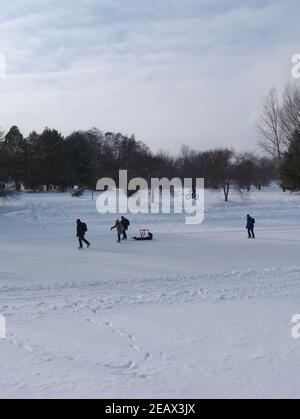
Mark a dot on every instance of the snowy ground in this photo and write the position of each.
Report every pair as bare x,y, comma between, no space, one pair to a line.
199,312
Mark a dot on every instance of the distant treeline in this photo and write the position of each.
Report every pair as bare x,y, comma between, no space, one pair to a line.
50,160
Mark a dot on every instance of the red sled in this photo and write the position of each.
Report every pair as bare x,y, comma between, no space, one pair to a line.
144,235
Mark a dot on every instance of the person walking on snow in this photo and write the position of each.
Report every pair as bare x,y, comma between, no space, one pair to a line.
125,224
120,229
250,227
81,230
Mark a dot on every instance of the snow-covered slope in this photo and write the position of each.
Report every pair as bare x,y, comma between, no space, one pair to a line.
200,311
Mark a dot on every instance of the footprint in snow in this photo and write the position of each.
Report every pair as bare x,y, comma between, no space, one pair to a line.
128,366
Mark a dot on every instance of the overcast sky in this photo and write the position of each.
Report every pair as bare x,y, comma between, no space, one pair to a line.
169,71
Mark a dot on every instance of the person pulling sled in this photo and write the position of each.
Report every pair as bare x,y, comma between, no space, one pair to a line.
120,229
125,224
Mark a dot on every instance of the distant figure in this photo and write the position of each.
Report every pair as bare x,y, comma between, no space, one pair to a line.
125,224
81,230
120,229
250,227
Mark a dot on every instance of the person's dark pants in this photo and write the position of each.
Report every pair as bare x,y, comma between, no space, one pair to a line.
124,235
119,237
82,240
251,234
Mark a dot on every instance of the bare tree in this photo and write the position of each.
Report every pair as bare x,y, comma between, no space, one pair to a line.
290,112
272,137
222,172
245,170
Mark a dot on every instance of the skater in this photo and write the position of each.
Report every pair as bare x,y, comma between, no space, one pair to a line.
125,224
250,227
120,229
81,230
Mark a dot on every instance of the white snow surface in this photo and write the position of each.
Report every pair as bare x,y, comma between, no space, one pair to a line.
201,311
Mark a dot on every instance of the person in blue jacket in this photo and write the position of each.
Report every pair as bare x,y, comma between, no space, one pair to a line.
250,227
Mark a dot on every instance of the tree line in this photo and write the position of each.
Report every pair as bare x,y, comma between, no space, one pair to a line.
47,160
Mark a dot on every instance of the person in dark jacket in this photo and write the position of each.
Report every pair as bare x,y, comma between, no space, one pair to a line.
125,224
250,227
81,230
120,230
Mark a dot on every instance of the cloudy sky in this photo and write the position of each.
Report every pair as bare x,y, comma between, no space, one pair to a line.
169,71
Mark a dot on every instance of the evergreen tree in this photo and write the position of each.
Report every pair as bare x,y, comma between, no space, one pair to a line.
48,159
2,174
14,155
290,167
32,176
81,151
